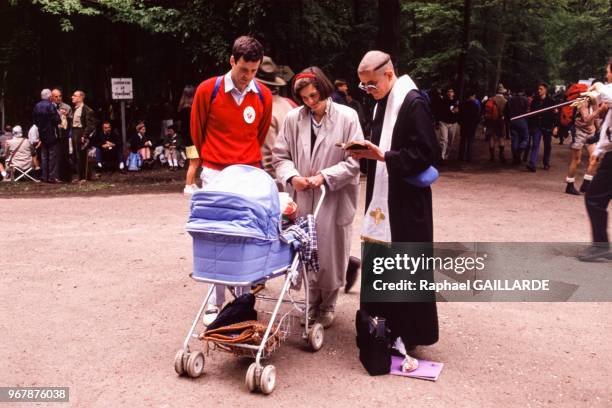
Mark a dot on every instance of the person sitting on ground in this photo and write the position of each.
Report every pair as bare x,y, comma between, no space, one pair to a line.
19,152
140,143
173,144
109,147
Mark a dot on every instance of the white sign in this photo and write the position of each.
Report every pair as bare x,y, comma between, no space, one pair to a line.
121,88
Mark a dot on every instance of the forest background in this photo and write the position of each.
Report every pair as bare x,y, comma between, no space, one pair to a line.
165,44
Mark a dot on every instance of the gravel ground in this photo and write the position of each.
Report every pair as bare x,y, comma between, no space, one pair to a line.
96,296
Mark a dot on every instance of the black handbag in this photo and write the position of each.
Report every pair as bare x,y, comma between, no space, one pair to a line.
373,341
239,310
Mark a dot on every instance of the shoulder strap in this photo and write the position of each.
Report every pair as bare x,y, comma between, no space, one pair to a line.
261,98
215,89
15,152
412,96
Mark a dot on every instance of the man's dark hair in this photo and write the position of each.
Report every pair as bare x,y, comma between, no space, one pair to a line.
247,48
544,84
339,82
81,92
320,82
104,122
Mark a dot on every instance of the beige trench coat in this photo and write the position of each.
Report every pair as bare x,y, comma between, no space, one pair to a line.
291,157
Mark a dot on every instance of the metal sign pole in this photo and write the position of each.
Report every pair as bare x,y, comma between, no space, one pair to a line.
123,133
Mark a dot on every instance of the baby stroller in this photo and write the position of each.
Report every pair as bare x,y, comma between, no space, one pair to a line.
235,224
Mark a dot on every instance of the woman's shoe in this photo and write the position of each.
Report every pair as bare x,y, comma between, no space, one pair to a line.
210,314
326,319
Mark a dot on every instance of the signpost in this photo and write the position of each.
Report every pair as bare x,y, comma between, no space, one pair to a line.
122,90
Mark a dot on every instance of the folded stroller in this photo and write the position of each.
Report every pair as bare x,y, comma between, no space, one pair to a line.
235,222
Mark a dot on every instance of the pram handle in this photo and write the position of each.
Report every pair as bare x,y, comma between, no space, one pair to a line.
318,207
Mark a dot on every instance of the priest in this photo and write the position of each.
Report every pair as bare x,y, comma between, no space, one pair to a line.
403,144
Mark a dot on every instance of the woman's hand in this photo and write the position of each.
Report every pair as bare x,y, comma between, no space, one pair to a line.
316,181
300,183
373,152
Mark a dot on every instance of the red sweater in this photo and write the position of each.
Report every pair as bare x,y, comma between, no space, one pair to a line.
221,131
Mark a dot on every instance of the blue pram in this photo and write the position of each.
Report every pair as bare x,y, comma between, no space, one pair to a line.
235,222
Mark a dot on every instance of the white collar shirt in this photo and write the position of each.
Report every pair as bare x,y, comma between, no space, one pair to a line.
236,94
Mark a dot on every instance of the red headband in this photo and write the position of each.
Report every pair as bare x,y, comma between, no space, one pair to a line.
304,75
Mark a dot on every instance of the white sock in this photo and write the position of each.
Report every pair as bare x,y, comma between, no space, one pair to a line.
570,179
588,177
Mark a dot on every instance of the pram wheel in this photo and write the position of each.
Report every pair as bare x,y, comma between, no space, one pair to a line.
195,364
250,381
268,379
316,336
180,360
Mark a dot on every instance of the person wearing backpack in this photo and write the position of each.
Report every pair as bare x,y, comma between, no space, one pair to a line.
495,124
582,128
230,118
541,127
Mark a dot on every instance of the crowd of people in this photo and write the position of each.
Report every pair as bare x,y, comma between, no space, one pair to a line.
67,143
581,124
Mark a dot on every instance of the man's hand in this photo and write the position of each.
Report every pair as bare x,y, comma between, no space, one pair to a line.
555,131
373,152
316,181
300,183
596,87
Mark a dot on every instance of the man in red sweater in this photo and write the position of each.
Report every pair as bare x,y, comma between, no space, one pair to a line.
230,117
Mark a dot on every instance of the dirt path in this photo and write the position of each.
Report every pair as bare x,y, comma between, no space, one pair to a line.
96,296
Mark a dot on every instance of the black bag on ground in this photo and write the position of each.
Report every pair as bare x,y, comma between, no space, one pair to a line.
239,310
373,341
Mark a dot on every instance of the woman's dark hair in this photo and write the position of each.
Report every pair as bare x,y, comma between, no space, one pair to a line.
247,48
609,64
314,76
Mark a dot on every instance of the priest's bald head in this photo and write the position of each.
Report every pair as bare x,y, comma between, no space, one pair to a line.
376,74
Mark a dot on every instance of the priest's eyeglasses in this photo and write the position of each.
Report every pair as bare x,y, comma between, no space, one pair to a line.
371,86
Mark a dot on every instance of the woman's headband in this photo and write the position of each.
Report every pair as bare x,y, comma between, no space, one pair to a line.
305,75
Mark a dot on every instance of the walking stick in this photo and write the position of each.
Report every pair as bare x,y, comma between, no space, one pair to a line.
526,115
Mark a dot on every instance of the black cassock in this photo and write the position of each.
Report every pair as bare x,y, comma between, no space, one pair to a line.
413,149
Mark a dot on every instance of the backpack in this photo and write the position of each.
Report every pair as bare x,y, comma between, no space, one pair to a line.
491,112
568,113
134,161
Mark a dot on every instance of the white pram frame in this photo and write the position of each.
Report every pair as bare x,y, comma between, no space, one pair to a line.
259,377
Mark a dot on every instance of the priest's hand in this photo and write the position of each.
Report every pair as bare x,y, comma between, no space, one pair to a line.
373,152
300,183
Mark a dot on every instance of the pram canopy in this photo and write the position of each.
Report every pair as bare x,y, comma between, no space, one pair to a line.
240,201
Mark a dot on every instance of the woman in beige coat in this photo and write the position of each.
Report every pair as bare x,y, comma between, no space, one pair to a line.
306,157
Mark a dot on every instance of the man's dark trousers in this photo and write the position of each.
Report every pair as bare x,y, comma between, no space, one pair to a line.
598,197
80,154
49,163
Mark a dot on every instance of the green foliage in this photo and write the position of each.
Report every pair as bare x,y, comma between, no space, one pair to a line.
515,42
